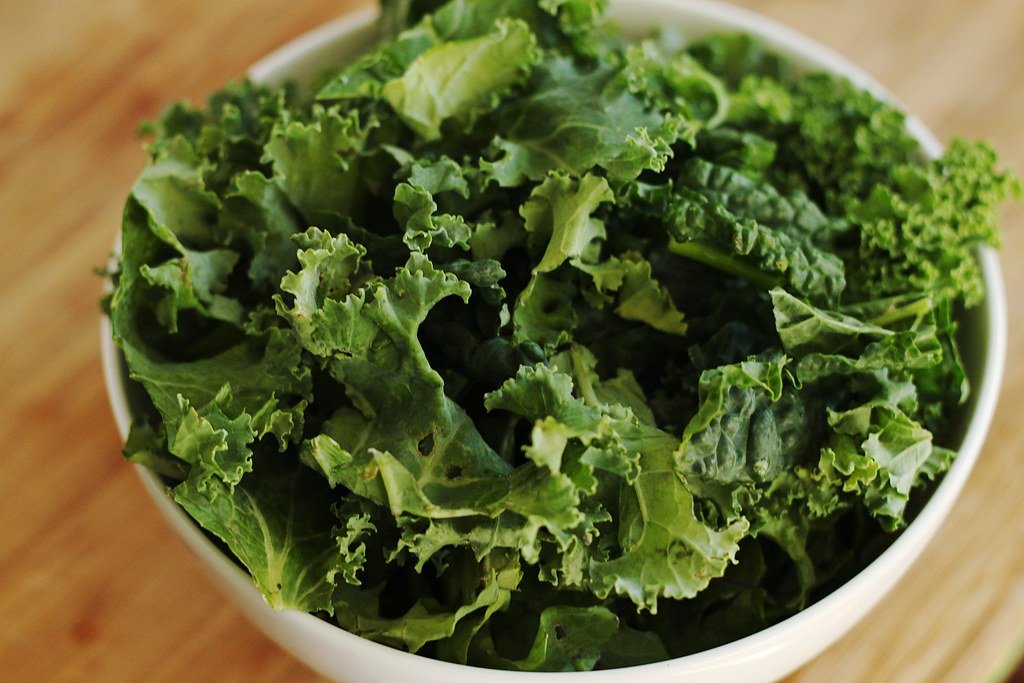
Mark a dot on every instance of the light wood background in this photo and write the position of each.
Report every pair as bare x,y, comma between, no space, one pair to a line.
95,586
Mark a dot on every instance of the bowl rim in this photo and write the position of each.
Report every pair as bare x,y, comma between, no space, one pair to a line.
885,570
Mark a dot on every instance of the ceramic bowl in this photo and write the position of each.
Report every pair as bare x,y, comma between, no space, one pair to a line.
764,656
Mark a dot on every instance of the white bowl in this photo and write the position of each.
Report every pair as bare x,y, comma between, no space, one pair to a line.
764,656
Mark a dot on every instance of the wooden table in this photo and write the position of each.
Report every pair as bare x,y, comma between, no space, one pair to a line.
93,583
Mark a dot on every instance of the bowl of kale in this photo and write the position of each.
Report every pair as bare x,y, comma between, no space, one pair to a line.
476,339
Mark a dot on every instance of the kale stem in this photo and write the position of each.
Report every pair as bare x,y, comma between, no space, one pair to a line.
508,447
916,309
724,262
583,379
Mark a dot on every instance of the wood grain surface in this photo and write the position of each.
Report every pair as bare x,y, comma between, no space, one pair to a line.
95,586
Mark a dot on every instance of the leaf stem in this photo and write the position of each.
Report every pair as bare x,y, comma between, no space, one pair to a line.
583,379
724,262
914,310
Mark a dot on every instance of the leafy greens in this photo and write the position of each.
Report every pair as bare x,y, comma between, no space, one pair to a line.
521,345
